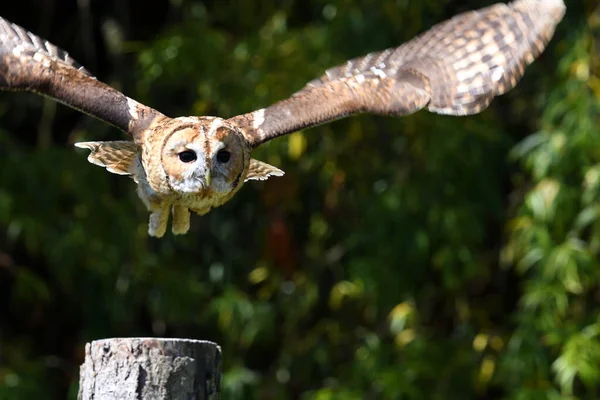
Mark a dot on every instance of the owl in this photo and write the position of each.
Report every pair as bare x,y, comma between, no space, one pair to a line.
193,164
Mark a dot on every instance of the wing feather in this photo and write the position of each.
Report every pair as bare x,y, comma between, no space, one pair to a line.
456,68
118,157
30,63
22,41
261,171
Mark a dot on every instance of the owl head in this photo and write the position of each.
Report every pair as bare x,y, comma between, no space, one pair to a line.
201,155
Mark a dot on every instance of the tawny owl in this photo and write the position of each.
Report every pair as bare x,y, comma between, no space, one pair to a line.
198,163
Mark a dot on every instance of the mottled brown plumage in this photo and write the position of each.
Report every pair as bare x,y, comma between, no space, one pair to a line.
456,68
30,63
198,163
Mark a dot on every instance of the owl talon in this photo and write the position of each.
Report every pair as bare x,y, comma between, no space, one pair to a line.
181,220
157,226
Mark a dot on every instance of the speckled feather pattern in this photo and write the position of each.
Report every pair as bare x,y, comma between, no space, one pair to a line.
28,62
117,157
457,68
21,41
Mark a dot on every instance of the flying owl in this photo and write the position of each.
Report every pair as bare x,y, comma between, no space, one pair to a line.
197,163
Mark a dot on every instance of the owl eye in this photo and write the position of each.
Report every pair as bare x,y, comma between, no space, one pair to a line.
223,156
188,156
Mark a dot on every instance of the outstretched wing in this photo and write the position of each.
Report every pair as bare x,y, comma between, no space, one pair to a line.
118,157
455,68
30,63
261,171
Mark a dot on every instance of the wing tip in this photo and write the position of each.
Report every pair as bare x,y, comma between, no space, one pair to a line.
93,147
116,171
86,145
555,8
277,172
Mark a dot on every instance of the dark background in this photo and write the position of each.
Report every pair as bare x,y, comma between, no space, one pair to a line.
423,257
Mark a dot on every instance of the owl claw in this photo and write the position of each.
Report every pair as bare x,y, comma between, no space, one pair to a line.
181,220
155,233
157,226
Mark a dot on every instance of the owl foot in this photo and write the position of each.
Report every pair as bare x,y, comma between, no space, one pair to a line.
181,220
157,226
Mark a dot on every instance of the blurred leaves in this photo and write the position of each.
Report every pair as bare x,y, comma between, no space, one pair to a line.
422,257
553,237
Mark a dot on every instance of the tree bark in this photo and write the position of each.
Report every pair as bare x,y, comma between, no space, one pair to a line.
150,368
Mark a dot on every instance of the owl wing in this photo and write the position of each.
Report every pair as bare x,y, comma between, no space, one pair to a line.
455,68
261,171
30,63
118,157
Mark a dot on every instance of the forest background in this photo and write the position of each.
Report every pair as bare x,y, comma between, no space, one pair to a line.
426,257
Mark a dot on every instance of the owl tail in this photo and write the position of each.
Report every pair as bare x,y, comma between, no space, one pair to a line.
118,157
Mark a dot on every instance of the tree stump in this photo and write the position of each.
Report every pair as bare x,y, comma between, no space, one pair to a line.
150,368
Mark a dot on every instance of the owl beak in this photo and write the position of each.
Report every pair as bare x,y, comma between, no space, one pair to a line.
207,178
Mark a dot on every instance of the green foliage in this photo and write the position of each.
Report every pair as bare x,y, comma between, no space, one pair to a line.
553,237
424,257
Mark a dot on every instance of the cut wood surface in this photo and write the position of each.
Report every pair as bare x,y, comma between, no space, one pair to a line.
150,368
